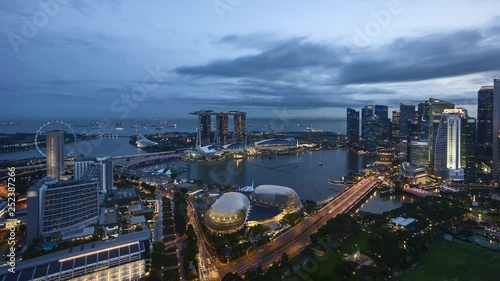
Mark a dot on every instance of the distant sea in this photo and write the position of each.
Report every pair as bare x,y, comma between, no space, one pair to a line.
121,146
150,126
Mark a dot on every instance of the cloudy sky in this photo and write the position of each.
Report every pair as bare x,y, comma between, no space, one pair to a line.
313,58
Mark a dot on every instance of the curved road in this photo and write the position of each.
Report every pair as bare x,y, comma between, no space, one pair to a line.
296,238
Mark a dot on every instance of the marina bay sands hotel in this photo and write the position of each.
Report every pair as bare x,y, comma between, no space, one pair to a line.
221,126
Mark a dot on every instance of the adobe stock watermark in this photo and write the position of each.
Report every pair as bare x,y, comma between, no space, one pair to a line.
124,104
222,7
380,20
31,26
281,120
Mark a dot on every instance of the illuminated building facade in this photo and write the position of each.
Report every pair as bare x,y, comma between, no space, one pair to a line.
55,153
123,258
396,127
59,207
454,148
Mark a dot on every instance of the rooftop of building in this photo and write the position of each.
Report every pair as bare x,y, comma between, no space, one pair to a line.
403,221
230,202
69,183
76,251
125,193
137,220
273,189
211,112
52,183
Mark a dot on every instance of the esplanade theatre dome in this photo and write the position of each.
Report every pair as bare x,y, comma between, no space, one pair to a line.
277,196
228,214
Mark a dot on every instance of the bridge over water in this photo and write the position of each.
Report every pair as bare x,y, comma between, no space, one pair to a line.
151,159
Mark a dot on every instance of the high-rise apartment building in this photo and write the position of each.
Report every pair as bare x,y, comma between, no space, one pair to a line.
54,141
352,126
485,123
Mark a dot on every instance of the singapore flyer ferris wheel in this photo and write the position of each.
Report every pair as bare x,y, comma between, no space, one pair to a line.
69,130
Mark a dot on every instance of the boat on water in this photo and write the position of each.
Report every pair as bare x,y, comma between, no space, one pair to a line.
119,128
159,128
320,164
317,191
238,156
172,126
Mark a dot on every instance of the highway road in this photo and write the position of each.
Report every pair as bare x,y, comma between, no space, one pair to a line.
207,262
296,238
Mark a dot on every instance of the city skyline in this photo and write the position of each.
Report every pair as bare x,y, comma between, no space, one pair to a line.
317,68
237,140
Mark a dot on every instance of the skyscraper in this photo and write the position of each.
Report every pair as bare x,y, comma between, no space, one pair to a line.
383,126
205,128
382,111
55,153
366,118
423,111
221,130
352,126
485,123
407,114
368,129
429,129
455,146
240,127
419,153
469,149
396,132
375,126
496,132
447,147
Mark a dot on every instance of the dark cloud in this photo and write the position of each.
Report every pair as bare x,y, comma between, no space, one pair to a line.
257,93
423,58
294,55
406,59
